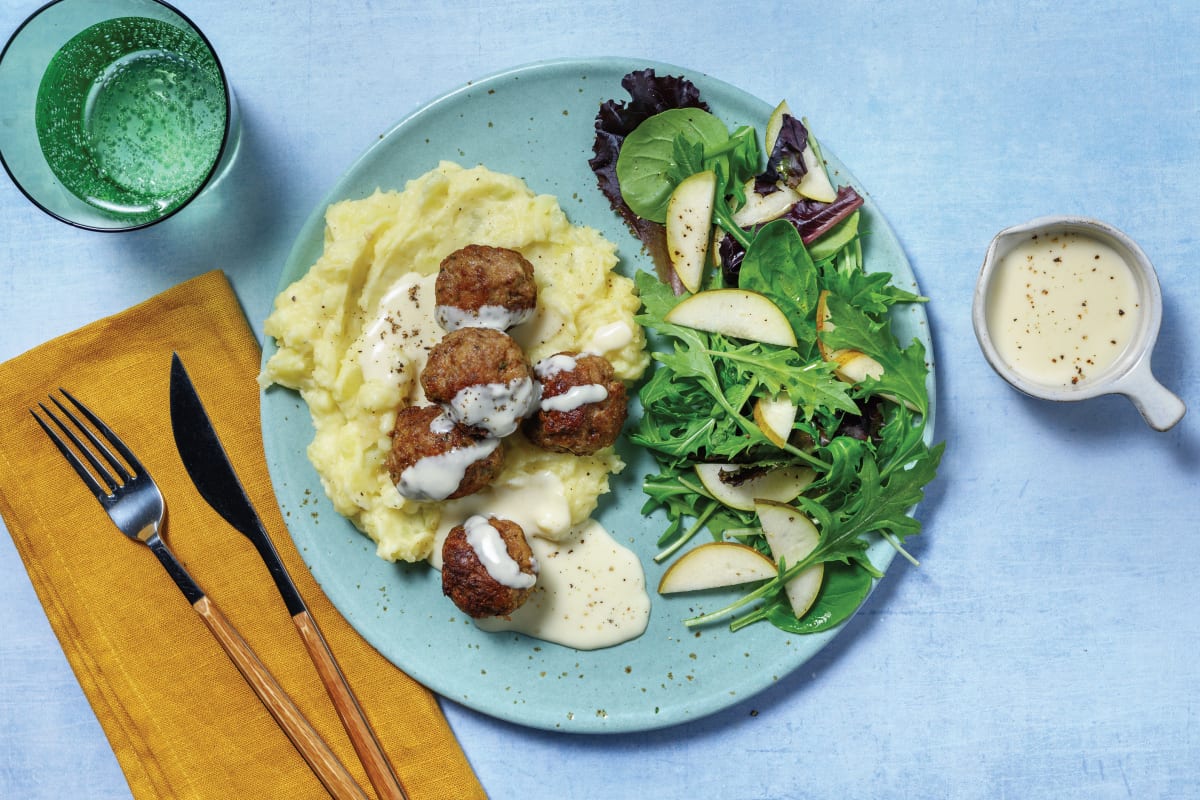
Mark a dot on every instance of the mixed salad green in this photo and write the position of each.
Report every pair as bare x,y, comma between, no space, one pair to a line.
854,399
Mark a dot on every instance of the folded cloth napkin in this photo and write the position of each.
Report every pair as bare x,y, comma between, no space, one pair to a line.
180,718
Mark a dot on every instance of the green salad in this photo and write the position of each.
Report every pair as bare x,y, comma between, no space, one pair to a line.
787,421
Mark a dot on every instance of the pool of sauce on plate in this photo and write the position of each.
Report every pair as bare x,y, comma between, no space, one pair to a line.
591,590
1062,307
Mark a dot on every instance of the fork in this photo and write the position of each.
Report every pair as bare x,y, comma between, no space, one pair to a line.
134,503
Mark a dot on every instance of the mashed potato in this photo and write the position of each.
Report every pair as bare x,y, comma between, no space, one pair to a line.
353,333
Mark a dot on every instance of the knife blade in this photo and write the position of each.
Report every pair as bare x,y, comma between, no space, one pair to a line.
208,466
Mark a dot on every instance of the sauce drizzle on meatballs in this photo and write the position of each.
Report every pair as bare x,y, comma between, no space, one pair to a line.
483,286
432,458
481,379
488,568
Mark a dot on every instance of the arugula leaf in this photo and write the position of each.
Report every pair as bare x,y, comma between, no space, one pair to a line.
904,370
872,292
879,505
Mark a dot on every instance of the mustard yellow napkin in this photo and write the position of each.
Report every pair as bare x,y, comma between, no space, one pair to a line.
180,718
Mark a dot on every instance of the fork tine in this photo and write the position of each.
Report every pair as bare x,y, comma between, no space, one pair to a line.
108,434
69,454
88,452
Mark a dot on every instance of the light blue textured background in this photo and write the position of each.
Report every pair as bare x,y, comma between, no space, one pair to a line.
1047,646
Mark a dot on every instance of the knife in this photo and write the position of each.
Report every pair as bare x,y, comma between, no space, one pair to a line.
208,466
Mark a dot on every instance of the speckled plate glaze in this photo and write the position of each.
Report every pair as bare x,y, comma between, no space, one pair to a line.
536,122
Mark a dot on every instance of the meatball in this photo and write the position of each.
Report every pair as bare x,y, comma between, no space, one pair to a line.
582,407
481,286
488,569
434,459
480,378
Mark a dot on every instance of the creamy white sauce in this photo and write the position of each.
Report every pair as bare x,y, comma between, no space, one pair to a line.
560,362
497,408
402,331
436,477
1062,308
574,397
590,592
610,337
441,424
489,547
537,502
500,318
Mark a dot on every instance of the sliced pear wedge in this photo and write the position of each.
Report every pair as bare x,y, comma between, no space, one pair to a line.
738,313
713,565
782,485
824,324
854,366
775,416
775,125
760,208
792,536
815,184
689,226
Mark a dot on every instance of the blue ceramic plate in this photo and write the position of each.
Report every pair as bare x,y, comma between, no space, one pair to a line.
536,122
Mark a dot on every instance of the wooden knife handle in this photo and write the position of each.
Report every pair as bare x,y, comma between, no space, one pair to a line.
362,736
308,742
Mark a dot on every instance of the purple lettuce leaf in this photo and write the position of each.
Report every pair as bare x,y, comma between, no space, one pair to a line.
649,94
786,162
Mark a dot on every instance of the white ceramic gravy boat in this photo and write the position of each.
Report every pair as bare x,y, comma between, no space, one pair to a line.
1130,374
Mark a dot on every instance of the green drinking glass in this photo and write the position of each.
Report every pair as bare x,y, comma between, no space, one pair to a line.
116,113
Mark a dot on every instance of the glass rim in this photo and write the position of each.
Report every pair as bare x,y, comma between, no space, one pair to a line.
211,171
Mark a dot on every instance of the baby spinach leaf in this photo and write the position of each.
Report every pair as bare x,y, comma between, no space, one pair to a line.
647,169
777,265
843,590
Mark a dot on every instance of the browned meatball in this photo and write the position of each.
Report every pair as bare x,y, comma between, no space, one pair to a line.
480,378
434,459
484,286
582,407
488,569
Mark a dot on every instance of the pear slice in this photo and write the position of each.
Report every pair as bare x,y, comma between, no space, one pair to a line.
775,416
854,366
739,313
774,126
792,536
689,226
760,208
782,485
716,564
824,323
815,184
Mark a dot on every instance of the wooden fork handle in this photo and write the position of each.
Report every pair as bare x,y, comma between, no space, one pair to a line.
328,769
362,736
